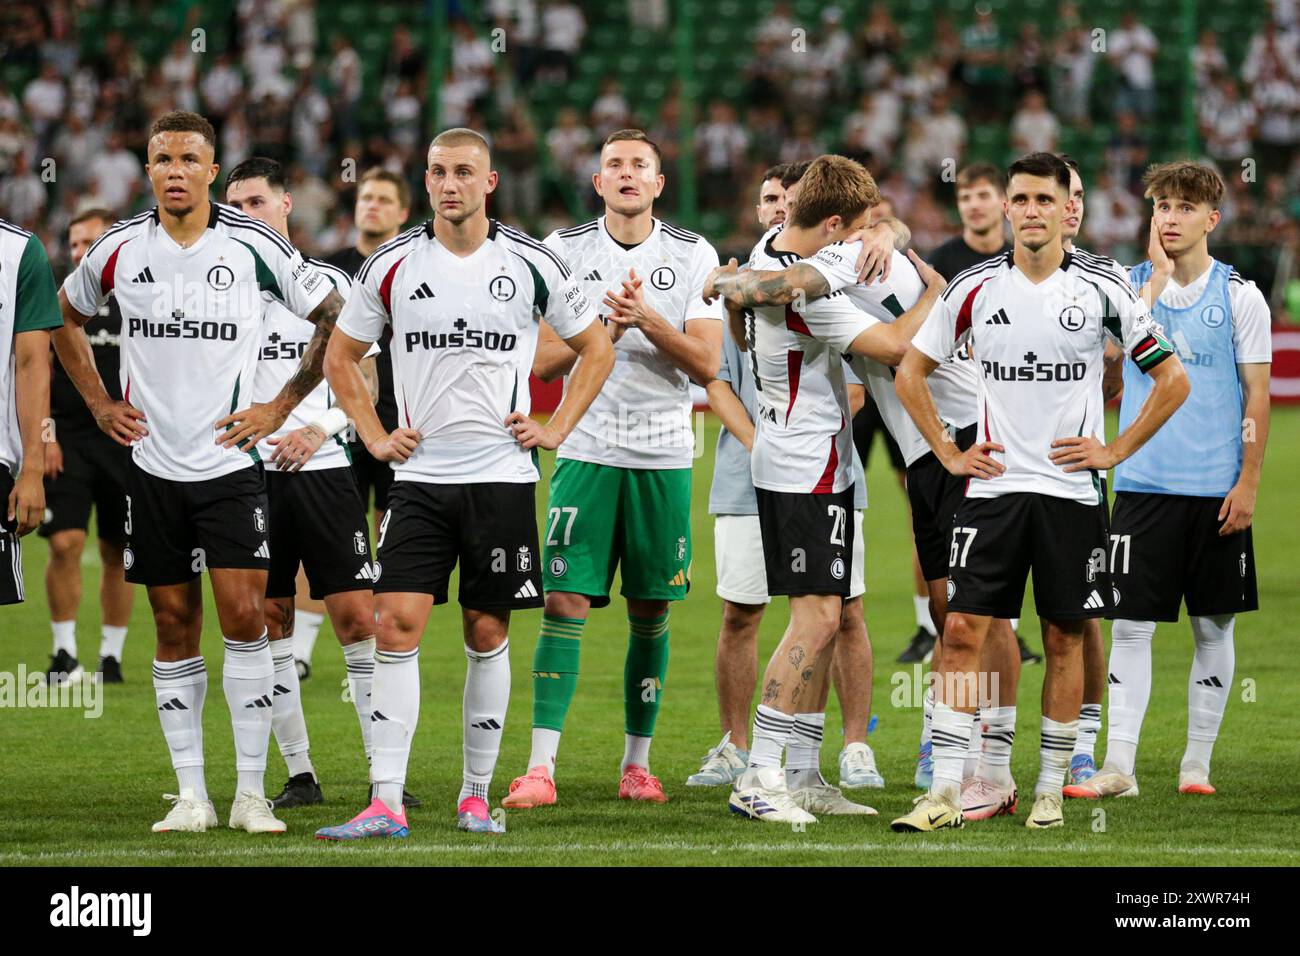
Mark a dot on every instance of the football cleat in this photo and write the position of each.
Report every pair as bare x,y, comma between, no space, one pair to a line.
982,800
303,668
64,669
824,798
924,769
638,783
1082,768
473,816
1026,655
110,670
252,812
187,815
929,812
1046,813
533,789
1194,779
410,801
1104,783
723,764
301,790
919,649
858,768
375,820
762,794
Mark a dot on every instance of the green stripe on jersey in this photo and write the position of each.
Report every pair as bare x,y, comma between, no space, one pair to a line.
541,296
234,407
37,301
265,277
893,305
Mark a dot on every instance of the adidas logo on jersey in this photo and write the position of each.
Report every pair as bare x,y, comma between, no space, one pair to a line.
1094,602
423,292
263,552
527,591
145,276
998,318
593,276
365,574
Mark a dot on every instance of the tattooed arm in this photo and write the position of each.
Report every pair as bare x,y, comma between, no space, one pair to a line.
753,288
249,426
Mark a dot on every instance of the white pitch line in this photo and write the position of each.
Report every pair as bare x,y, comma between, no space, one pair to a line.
199,855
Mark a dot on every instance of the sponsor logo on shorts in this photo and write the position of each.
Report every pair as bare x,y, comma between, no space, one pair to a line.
259,520
1243,564
367,573
681,548
527,591
837,569
678,580
263,552
952,589
128,558
558,567
1094,602
524,559
359,542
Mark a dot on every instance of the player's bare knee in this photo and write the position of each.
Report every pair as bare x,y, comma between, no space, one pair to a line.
567,604
354,621
484,631
66,547
1062,637
959,636
740,620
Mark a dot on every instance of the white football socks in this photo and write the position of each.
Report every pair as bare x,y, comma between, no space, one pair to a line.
927,715
180,688
976,746
395,712
768,738
1056,743
923,619
306,627
803,751
999,735
1129,686
65,636
1089,728
546,744
1208,686
487,695
248,678
112,640
636,750
287,719
359,658
950,733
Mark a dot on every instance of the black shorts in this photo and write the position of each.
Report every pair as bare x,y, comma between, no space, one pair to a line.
935,493
94,473
867,423
490,528
1165,549
11,550
318,522
996,541
370,473
176,530
807,541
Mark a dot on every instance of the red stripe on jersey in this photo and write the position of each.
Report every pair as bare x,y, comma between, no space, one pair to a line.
386,287
107,275
793,368
794,321
126,396
826,483
964,313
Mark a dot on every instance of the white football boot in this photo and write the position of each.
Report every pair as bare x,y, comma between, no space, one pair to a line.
762,794
252,813
187,815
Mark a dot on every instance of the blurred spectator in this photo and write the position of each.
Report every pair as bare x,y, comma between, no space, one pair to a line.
804,142
871,131
563,27
345,78
648,14
1127,153
22,194
514,151
933,138
1208,61
1114,218
313,201
44,100
1276,99
1034,128
879,43
778,26
1073,64
179,72
1229,126
610,111
1132,48
569,143
981,62
1027,60
311,124
300,32
119,176
721,143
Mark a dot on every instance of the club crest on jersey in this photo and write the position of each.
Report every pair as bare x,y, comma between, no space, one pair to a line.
663,278
681,549
259,520
952,589
837,569
1073,318
1096,564
221,278
1213,316
558,566
524,559
502,288
359,542
128,558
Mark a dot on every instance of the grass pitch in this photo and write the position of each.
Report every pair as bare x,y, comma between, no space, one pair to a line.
83,792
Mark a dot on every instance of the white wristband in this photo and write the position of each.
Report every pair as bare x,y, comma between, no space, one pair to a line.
332,422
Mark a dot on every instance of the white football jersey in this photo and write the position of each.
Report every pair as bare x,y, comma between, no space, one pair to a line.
1039,350
802,441
642,416
192,327
284,341
464,337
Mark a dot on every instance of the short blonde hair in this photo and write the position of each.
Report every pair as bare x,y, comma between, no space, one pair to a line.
833,186
1193,182
462,136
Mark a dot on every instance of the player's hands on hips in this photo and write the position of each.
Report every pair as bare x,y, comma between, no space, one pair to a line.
877,252
1238,510
533,434
931,278
248,426
27,501
710,284
628,307
1082,453
397,445
296,448
53,460
977,461
120,421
